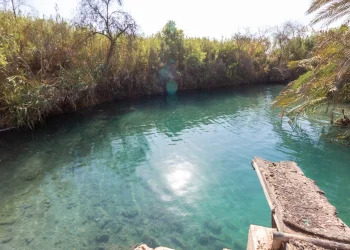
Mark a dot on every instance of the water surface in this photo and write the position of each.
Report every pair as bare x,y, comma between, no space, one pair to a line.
172,171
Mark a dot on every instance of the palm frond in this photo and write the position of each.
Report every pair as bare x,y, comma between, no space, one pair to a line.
330,11
317,4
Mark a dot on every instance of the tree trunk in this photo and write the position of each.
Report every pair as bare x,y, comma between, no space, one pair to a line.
110,52
14,9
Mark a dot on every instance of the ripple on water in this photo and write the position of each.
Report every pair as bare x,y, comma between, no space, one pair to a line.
166,173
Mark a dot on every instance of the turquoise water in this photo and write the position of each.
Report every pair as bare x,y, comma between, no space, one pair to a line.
172,171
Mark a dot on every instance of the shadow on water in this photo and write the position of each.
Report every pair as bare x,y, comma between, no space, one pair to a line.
165,170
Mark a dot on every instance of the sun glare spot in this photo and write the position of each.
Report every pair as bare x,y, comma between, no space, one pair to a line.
179,178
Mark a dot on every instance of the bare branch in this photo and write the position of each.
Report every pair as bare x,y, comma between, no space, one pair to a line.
105,18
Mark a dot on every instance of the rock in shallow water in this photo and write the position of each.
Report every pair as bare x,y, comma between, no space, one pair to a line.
102,238
103,222
28,240
213,226
71,205
149,240
177,242
5,239
218,245
132,213
7,220
238,245
203,240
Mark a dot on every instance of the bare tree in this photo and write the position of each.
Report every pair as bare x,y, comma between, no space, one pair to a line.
14,5
104,17
282,35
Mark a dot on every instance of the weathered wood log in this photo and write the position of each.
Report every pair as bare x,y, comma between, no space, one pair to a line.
297,204
276,215
262,238
285,237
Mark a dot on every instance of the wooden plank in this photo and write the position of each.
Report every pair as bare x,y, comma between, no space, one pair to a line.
297,204
261,238
276,217
285,237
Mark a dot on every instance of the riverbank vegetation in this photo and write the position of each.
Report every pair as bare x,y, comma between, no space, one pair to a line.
327,81
51,66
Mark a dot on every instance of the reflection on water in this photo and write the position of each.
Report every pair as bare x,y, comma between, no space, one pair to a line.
179,177
172,171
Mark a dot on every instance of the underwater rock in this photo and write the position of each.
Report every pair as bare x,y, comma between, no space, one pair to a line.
58,242
218,245
103,222
139,231
102,238
8,220
132,213
132,232
145,221
213,226
97,216
149,240
26,191
47,204
96,204
30,175
203,240
29,240
5,239
238,246
71,205
97,219
177,242
27,205
123,237
177,227
31,170
222,238
230,225
113,226
119,228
